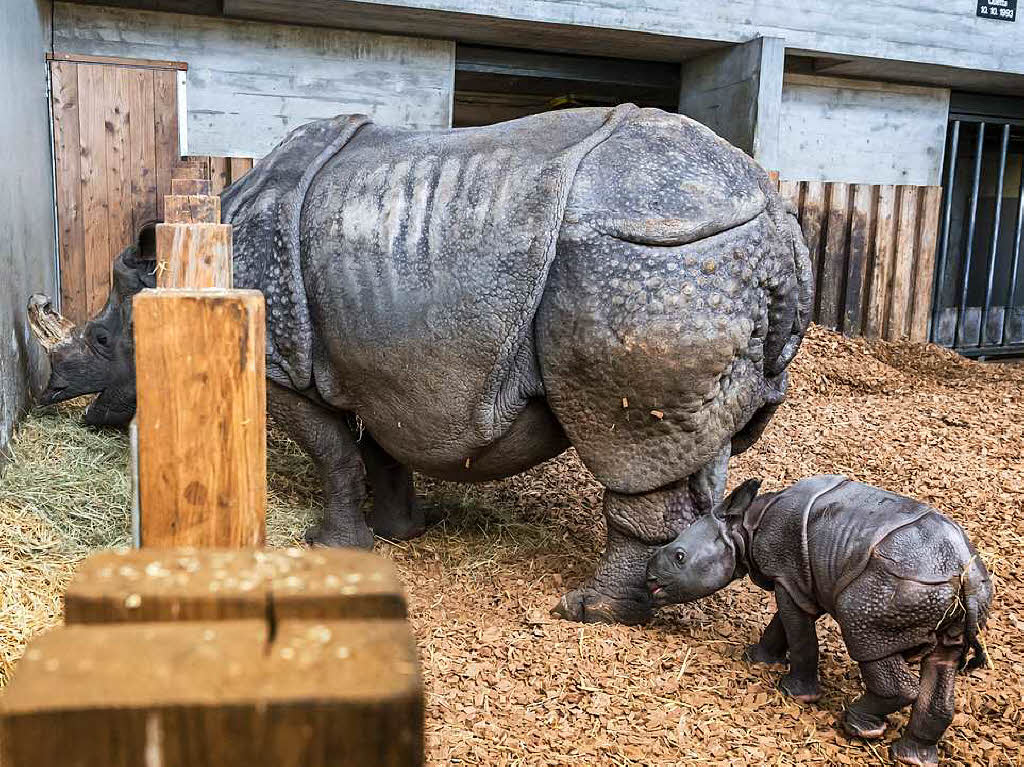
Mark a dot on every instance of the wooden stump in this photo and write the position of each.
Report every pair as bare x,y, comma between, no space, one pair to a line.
217,584
220,694
191,209
216,658
201,417
193,255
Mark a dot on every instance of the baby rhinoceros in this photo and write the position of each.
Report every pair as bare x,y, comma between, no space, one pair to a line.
901,580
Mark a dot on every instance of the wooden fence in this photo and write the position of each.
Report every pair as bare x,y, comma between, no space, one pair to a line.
222,171
873,253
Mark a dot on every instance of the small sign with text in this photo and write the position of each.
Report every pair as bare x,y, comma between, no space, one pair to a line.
1001,10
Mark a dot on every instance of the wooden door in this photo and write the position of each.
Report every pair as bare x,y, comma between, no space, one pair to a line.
115,135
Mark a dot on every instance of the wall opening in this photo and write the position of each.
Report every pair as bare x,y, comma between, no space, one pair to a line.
497,84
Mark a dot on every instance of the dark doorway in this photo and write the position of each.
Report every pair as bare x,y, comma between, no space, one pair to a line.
497,84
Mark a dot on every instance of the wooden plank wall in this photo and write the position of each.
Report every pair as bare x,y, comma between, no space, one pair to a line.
873,254
115,142
223,171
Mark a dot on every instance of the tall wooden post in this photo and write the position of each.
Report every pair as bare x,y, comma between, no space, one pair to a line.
193,248
201,417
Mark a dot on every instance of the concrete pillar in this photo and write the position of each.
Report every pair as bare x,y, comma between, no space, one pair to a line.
737,92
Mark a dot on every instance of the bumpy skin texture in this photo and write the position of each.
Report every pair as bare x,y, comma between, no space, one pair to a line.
901,580
617,279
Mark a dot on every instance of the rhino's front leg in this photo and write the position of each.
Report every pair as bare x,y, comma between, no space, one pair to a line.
773,645
637,526
802,680
325,437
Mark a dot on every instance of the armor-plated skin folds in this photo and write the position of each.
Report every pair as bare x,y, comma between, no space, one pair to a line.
900,579
473,302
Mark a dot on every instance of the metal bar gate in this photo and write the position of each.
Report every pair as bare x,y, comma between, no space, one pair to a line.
978,305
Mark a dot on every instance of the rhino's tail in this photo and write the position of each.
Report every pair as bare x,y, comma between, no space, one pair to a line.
977,596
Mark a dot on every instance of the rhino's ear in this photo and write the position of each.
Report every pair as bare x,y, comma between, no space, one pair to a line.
739,499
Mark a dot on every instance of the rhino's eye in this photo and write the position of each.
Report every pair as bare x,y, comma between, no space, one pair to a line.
101,339
680,556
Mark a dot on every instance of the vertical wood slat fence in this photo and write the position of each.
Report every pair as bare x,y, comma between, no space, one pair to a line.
115,141
873,254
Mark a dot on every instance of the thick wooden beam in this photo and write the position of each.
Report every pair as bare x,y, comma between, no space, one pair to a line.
193,255
183,584
201,417
191,209
190,186
217,694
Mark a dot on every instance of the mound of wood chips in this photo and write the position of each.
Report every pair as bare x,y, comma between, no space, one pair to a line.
510,685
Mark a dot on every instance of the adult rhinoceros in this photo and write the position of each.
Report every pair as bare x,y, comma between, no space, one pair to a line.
469,303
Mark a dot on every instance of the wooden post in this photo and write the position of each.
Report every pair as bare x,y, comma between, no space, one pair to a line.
151,585
201,417
216,658
217,694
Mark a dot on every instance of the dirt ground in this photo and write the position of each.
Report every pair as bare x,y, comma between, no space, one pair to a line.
508,684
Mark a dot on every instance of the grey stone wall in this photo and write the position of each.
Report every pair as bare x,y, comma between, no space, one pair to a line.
249,83
26,200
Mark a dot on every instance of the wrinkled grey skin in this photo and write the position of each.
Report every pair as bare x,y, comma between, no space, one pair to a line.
470,303
901,580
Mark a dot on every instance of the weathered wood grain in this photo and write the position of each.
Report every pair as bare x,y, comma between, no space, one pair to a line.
862,216
165,107
882,263
93,151
67,151
147,585
189,170
833,259
190,186
791,191
116,83
239,167
924,266
217,694
141,120
812,222
201,416
193,255
898,324
220,174
192,209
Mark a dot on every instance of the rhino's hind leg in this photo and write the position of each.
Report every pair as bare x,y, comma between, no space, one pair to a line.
395,513
890,685
325,437
637,526
933,709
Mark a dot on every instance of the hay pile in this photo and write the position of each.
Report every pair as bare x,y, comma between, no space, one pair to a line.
508,684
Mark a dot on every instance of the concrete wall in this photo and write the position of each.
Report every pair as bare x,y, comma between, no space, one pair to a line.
250,83
936,32
861,132
737,93
26,200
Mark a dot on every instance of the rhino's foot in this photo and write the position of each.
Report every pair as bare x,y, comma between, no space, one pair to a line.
862,725
906,750
803,689
320,535
587,605
758,653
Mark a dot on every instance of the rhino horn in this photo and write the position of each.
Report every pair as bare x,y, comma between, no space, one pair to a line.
48,325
